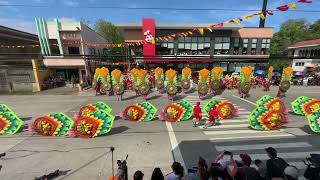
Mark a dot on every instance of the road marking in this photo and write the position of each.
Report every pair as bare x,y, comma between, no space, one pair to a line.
263,146
222,126
177,156
222,139
244,100
241,131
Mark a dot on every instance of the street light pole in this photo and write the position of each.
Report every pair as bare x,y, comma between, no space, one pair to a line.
264,8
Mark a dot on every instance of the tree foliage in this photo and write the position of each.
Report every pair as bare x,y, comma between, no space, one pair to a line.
292,31
110,32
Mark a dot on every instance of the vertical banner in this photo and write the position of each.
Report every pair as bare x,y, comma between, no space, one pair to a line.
148,37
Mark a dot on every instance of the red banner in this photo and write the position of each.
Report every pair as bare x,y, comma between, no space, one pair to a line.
148,37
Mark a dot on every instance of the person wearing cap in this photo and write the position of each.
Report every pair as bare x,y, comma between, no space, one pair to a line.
275,165
138,175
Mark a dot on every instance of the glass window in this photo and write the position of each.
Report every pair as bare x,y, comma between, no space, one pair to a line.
265,45
245,40
181,45
245,45
187,39
207,45
254,46
194,39
170,45
226,39
194,46
200,46
200,39
188,46
207,39
254,40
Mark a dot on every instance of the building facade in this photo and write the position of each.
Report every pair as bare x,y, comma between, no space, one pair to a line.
65,47
18,50
230,46
305,55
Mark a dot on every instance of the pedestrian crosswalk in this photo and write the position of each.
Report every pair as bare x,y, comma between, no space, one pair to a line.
235,135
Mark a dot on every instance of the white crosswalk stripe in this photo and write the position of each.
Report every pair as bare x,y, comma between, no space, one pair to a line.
235,135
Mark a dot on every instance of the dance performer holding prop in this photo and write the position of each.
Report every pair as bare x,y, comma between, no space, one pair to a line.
101,81
203,85
245,81
171,78
144,86
159,76
216,80
117,82
285,82
186,82
134,75
267,82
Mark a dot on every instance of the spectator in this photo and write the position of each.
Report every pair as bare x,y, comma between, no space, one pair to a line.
275,165
178,172
217,172
245,172
157,174
225,159
203,169
74,81
262,169
138,175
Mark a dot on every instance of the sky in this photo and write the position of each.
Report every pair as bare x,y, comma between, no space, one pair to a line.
22,18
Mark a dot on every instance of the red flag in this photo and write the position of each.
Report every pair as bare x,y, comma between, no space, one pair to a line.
283,8
304,1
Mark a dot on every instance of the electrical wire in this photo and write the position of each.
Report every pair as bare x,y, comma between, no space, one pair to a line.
150,8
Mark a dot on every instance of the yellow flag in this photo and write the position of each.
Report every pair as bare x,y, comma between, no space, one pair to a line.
209,29
293,6
201,31
249,17
261,15
227,22
236,20
190,32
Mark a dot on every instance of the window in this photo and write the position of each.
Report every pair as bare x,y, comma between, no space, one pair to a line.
299,63
245,46
265,45
165,47
292,52
253,46
236,44
74,50
194,45
221,45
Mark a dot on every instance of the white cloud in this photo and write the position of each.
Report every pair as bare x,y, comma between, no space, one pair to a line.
71,3
19,24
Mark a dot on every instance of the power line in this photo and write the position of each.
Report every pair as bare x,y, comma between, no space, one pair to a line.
148,8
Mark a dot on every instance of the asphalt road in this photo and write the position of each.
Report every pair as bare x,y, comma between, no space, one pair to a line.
149,144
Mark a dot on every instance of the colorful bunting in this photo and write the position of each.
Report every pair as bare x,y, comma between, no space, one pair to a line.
293,6
283,8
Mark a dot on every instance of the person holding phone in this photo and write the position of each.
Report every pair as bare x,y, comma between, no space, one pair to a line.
228,164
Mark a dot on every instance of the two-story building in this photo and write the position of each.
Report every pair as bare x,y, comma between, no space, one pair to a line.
305,55
66,47
230,46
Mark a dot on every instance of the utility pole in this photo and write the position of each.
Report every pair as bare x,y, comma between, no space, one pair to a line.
264,8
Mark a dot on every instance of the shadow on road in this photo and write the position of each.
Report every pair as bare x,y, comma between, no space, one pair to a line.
154,97
117,130
129,98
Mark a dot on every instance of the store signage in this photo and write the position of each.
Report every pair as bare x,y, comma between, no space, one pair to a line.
148,36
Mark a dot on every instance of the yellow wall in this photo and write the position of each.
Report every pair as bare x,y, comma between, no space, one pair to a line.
39,74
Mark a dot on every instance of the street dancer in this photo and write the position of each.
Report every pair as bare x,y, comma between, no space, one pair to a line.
197,113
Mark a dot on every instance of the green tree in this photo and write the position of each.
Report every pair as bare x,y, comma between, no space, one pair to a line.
291,31
110,32
315,29
279,64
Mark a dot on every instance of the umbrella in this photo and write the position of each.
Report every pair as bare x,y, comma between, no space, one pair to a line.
275,74
260,72
299,73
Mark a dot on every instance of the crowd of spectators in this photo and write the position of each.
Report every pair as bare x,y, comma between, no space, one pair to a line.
225,167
